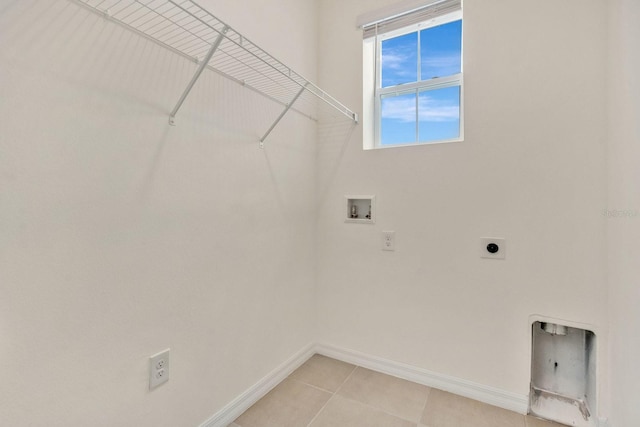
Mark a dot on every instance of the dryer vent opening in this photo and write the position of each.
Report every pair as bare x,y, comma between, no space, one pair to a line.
563,374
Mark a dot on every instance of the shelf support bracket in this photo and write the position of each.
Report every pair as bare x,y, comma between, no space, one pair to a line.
289,105
194,79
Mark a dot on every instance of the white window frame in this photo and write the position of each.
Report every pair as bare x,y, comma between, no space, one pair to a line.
373,75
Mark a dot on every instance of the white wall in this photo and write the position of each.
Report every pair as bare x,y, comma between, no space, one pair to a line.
624,200
121,236
532,169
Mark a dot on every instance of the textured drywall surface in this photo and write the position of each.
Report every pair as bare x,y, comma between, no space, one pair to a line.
623,210
122,236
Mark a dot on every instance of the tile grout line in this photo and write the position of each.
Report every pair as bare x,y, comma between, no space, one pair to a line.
346,379
384,411
376,408
334,394
320,410
424,408
310,385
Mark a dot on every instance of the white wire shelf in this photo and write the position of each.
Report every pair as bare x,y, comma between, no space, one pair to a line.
189,30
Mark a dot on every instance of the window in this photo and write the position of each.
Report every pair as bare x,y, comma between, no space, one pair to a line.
413,77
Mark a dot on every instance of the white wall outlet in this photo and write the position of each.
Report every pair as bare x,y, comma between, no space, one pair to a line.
388,240
158,369
493,247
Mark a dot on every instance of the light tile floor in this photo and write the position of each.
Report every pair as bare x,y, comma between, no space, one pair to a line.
325,392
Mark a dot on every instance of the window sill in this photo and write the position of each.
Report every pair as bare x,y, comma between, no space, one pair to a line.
367,147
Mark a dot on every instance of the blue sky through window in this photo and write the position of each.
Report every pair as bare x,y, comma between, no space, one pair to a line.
440,49
398,124
400,60
436,111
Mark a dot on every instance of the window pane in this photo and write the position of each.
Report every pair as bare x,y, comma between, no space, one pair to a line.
400,60
439,113
398,122
441,50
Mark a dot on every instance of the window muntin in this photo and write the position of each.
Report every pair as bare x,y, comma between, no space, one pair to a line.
418,84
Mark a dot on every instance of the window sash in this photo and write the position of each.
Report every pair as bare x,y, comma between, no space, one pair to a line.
417,28
417,88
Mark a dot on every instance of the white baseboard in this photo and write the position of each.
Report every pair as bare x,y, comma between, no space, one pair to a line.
236,407
493,396
490,395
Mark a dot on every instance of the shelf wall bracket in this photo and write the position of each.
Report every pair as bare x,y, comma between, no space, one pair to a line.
203,64
287,108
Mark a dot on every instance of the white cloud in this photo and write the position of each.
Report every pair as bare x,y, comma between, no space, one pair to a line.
401,60
393,60
403,109
450,63
399,108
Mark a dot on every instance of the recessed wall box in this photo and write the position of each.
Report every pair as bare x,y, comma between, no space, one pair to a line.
360,209
563,374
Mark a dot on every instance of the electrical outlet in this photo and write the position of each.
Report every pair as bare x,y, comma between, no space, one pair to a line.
388,240
158,369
